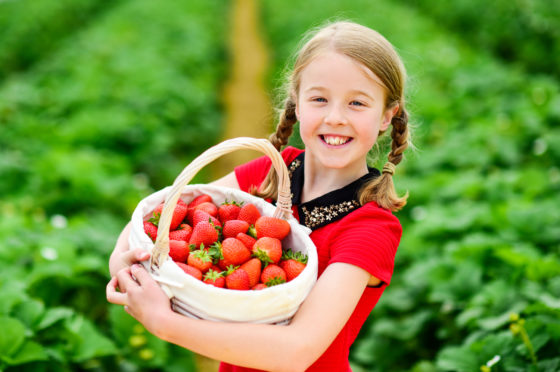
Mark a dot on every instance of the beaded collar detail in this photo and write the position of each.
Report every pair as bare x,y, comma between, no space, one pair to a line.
329,207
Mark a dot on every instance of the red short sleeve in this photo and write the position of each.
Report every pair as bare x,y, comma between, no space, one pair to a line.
254,172
367,238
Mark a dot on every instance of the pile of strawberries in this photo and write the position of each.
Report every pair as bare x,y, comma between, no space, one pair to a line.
229,245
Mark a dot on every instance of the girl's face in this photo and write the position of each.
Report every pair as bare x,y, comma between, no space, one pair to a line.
341,109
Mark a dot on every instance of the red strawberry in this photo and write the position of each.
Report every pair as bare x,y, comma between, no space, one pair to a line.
200,215
179,214
214,278
272,227
228,211
204,233
249,241
151,230
200,259
182,233
235,252
253,268
207,207
190,270
196,201
249,213
233,227
178,250
293,263
199,200
259,286
273,275
268,250
237,279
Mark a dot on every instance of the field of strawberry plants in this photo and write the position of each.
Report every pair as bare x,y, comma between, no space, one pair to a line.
100,103
477,281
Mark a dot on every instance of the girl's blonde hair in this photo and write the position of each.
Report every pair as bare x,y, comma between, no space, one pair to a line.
376,53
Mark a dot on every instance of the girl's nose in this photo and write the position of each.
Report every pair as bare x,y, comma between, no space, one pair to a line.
336,116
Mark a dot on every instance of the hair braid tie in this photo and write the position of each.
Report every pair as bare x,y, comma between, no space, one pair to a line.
389,168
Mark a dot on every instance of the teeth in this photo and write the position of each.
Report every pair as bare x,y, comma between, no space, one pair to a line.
335,140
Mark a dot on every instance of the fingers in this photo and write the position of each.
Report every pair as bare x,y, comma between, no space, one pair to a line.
141,275
113,296
135,255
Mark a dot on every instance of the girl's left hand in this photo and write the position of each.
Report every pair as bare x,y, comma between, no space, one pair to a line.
140,294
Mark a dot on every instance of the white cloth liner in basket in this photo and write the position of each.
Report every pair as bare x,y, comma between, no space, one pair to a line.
194,298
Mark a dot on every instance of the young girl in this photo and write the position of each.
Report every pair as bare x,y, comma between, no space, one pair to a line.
346,88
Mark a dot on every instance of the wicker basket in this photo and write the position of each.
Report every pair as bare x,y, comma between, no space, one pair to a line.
194,298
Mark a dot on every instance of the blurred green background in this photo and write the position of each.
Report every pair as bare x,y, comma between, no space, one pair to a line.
104,102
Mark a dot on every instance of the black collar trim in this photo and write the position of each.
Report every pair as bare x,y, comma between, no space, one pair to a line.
329,207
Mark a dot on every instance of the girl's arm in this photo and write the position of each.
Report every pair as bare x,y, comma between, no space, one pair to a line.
122,257
269,347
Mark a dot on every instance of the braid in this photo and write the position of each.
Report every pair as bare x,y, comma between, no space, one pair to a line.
399,136
284,129
381,189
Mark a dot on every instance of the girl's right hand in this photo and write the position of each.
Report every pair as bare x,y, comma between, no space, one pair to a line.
123,257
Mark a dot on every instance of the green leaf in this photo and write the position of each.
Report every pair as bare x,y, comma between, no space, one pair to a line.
30,351
53,315
12,336
457,359
88,341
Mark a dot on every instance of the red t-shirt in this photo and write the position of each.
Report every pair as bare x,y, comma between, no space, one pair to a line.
339,241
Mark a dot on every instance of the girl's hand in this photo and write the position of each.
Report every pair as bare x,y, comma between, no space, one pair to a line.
141,296
122,257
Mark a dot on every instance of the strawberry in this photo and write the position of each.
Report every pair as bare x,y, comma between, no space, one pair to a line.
273,275
268,250
259,286
249,241
190,270
293,263
207,207
182,233
199,200
214,278
151,230
200,259
249,213
228,211
204,233
233,227
253,268
178,250
235,252
196,201
237,279
179,214
200,215
272,227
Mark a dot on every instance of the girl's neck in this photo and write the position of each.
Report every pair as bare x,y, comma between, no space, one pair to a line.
319,180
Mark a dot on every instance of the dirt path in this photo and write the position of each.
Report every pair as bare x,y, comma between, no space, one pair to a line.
247,104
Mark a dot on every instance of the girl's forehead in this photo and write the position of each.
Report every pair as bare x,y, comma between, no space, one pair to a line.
326,64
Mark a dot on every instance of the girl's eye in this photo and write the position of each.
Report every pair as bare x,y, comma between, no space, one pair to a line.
356,103
319,99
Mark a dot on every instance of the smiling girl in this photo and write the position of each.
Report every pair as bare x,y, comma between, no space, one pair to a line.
346,89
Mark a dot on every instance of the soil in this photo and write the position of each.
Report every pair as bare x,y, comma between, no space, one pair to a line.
247,103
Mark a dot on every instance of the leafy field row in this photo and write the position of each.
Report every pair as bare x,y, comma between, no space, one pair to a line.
32,29
121,106
477,277
523,33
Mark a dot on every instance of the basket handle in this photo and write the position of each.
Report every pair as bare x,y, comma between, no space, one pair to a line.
283,205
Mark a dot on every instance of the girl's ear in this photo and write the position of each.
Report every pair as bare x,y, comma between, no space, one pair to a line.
388,116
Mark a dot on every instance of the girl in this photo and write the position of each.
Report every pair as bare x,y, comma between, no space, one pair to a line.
346,88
